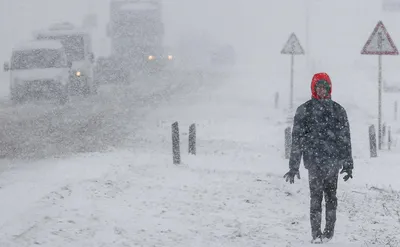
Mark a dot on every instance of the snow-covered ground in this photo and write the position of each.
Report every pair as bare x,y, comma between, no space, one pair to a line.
230,194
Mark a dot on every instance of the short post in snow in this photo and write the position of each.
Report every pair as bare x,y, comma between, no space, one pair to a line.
383,133
395,110
389,138
288,142
192,139
292,48
176,153
276,100
380,43
372,141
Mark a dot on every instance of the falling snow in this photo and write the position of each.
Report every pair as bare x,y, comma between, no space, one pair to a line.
91,88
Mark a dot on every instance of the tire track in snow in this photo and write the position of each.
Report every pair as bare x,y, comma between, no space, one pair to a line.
97,123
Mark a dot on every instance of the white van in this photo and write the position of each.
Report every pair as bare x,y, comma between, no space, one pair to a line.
78,47
39,68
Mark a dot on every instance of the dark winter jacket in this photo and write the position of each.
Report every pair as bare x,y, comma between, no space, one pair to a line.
321,133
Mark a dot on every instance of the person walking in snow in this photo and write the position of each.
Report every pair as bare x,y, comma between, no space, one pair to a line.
321,135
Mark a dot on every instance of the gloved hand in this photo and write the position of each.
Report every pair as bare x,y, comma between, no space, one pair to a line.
289,176
349,173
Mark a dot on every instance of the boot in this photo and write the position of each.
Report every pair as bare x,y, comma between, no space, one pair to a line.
317,238
327,235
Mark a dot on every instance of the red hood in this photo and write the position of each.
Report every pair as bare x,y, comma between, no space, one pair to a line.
315,79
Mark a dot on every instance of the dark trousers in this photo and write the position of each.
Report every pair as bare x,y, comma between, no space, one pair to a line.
323,183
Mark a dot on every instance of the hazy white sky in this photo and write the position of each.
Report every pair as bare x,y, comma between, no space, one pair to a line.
257,28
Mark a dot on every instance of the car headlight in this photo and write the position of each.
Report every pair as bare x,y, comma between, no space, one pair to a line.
151,57
78,73
170,57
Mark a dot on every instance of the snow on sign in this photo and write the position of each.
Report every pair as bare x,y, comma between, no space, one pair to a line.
380,42
293,46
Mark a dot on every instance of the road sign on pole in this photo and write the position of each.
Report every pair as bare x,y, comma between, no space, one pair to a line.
380,43
292,47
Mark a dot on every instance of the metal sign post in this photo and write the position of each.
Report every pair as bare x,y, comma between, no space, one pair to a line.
291,83
380,43
292,47
380,38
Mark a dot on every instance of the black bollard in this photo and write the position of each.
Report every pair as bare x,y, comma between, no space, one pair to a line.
276,100
176,153
372,142
288,142
383,133
192,139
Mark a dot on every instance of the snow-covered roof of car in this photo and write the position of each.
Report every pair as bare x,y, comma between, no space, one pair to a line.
58,32
137,4
136,1
140,6
38,44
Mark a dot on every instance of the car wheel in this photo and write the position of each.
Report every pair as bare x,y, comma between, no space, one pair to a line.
86,88
16,97
63,95
95,89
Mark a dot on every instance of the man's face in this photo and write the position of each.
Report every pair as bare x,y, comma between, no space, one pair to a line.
321,91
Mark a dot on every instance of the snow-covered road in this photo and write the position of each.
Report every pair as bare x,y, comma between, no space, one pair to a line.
97,123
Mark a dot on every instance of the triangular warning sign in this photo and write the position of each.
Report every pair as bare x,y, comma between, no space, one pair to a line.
380,42
293,46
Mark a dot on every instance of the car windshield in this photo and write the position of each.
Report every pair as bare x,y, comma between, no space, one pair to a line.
37,59
74,45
